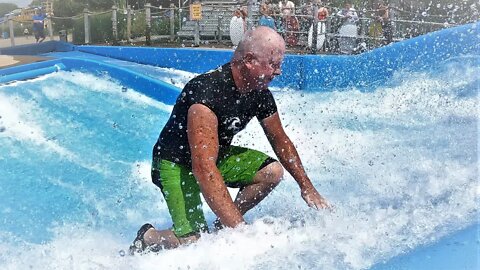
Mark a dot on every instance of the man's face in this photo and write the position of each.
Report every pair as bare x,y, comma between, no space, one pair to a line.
264,66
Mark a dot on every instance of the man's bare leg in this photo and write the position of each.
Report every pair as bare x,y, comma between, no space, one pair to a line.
263,183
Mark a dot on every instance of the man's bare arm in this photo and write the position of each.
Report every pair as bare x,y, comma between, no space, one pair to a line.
202,130
288,156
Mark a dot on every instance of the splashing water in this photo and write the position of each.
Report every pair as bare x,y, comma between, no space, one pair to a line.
399,164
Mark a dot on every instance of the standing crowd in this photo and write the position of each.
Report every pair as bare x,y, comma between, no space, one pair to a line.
291,21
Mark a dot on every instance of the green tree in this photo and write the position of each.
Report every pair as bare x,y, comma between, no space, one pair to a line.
7,8
67,8
99,5
135,4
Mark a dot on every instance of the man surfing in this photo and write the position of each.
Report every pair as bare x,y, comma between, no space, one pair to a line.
194,154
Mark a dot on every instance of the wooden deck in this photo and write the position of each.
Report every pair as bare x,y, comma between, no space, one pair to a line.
14,60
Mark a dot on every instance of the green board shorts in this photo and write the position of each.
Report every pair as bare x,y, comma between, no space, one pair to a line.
182,192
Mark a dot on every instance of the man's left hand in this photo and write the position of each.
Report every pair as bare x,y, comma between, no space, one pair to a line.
314,199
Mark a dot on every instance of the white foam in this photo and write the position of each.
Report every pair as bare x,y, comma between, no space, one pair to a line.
97,84
175,77
17,127
18,122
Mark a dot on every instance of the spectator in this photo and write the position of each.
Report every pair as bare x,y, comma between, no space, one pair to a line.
348,31
384,18
237,27
239,13
287,8
26,33
266,19
322,13
271,6
38,26
348,14
289,22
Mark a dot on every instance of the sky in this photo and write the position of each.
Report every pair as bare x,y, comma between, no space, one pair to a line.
19,3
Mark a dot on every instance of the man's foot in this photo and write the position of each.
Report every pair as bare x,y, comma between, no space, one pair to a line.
139,245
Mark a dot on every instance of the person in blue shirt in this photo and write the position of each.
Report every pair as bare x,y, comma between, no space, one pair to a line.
38,26
266,19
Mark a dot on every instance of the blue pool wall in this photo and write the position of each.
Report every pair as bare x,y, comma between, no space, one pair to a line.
36,49
321,72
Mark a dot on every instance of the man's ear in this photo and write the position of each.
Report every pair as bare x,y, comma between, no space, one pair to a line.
248,58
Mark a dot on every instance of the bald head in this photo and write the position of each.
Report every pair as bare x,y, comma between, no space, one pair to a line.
262,41
257,59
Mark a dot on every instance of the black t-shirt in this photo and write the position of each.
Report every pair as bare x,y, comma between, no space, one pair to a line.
218,92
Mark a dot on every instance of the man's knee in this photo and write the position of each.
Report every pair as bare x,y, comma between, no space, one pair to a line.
277,171
274,173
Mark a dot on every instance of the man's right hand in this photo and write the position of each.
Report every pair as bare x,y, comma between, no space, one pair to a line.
314,199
